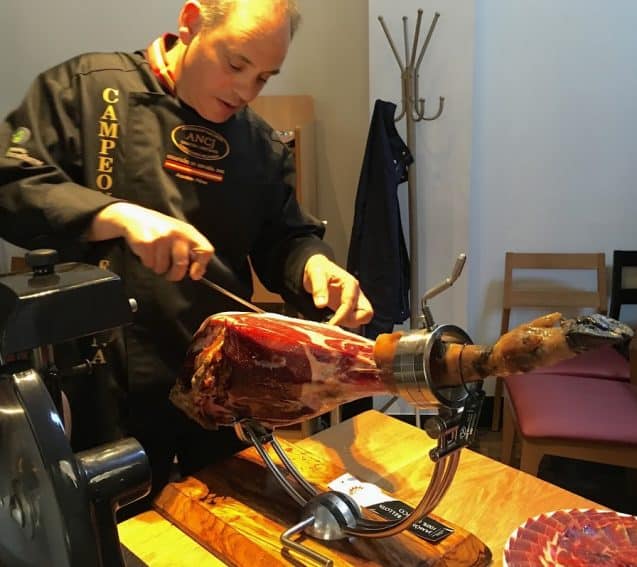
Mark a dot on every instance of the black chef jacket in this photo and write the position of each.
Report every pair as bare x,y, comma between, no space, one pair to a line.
377,252
101,128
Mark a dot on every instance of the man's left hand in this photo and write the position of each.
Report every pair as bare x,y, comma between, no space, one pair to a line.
331,286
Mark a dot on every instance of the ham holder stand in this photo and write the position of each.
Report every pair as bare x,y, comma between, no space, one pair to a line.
334,515
58,508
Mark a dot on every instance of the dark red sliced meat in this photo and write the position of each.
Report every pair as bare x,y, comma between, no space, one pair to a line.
576,538
631,531
518,558
563,517
616,533
532,537
275,369
549,520
526,545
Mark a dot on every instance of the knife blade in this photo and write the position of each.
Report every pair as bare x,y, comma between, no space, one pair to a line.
223,273
231,295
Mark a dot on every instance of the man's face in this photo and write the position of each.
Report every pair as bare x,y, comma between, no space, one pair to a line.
224,68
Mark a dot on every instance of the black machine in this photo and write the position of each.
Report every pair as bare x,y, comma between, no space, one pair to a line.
58,507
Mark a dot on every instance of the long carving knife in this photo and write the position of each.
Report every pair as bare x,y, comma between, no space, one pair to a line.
228,278
231,295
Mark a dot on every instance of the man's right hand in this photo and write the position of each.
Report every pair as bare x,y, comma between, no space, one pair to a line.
164,244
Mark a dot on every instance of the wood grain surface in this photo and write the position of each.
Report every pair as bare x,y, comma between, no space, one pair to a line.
486,499
238,510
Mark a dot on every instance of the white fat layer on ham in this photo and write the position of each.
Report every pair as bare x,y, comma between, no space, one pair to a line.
317,333
320,371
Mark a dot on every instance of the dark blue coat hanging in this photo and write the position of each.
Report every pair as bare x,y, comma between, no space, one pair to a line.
378,255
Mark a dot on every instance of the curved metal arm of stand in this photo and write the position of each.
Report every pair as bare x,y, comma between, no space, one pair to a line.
440,482
443,473
253,432
291,468
441,107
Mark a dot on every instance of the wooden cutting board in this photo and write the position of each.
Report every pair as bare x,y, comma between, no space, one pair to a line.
238,511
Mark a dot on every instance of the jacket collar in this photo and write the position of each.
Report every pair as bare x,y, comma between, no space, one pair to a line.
156,56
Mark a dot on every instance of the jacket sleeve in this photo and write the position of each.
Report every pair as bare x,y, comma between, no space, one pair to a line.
288,238
42,199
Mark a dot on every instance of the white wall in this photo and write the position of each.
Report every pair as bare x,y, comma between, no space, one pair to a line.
555,116
35,35
535,149
443,147
536,154
328,59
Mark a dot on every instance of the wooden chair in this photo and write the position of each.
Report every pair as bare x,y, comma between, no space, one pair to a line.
577,417
622,293
546,297
18,264
584,408
293,115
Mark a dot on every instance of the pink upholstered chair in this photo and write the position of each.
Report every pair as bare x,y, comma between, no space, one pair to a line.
583,408
605,362
518,295
579,416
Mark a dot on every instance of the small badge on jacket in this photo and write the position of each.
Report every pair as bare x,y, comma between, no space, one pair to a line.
199,145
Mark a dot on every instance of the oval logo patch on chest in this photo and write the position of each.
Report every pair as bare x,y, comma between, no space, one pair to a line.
199,142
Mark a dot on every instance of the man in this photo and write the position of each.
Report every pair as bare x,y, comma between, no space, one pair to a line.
148,164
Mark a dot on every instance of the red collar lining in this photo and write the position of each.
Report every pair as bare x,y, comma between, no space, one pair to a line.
156,55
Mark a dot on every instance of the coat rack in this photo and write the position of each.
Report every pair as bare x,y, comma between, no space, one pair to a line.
413,109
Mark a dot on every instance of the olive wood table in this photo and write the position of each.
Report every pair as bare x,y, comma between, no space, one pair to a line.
486,502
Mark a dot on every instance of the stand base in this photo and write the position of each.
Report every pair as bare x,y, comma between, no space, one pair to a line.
237,510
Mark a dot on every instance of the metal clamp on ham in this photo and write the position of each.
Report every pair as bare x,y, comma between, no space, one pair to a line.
259,371
416,361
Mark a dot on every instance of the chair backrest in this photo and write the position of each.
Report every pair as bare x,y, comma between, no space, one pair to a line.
621,292
553,297
18,264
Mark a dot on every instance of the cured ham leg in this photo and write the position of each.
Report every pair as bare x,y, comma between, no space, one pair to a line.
280,370
275,369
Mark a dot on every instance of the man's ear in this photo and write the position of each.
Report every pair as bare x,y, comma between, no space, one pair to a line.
189,21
